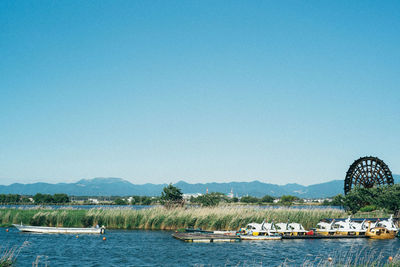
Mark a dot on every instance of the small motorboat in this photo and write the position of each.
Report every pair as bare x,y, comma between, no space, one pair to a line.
59,230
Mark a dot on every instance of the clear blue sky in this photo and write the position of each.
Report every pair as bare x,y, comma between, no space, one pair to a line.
201,91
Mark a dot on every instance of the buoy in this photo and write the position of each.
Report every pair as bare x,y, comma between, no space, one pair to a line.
329,259
390,258
6,230
104,238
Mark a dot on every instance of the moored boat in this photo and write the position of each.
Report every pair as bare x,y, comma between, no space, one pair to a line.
292,229
380,232
259,231
59,230
348,227
324,228
388,224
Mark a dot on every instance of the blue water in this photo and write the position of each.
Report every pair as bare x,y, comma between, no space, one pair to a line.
138,207
158,248
81,207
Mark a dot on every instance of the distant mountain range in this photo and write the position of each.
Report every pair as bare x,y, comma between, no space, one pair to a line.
121,187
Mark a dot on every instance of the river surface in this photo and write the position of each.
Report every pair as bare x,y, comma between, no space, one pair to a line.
158,248
139,207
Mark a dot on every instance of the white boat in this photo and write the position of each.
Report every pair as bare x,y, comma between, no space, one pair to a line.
59,230
260,227
290,229
224,232
348,227
388,224
324,228
261,237
260,231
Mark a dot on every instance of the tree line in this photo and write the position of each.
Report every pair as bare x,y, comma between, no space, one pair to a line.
367,199
37,199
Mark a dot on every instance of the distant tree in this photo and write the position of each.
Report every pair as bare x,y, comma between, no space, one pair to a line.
288,200
267,199
120,201
145,200
42,198
171,196
10,198
337,200
249,199
212,199
25,199
388,197
135,200
60,198
381,197
235,200
357,198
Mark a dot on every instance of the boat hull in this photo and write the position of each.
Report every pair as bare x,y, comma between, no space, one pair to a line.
260,237
59,230
381,234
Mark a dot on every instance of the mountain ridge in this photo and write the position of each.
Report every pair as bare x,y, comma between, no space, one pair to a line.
119,187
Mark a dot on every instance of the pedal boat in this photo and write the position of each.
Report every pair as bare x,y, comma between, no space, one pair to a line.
349,227
259,231
380,232
290,229
324,228
388,224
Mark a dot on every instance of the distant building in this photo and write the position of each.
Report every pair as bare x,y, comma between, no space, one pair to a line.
93,200
230,195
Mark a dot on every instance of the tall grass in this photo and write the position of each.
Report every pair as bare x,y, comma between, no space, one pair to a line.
367,256
160,218
225,218
8,256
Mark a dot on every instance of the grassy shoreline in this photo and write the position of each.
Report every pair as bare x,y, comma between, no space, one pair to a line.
160,218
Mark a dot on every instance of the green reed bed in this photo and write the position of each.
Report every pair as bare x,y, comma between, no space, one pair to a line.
160,218
42,217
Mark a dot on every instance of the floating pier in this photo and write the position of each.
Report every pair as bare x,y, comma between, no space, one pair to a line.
205,238
322,236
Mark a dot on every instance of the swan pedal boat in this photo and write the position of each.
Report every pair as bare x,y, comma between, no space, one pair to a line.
284,229
349,227
59,230
382,229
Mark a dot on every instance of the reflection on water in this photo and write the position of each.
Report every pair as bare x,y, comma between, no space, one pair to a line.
158,248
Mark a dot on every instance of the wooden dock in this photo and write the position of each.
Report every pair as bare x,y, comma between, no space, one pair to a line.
210,238
322,236
205,238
